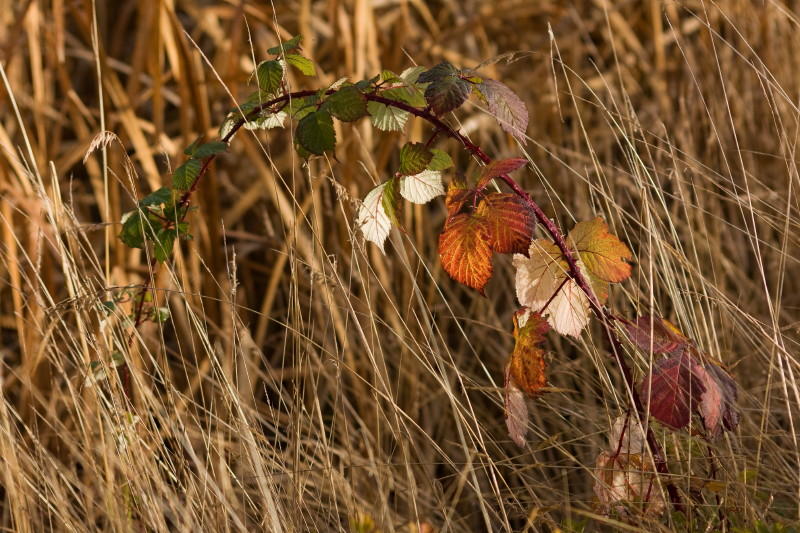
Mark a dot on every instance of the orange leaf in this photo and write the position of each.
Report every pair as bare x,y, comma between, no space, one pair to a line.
457,196
465,252
527,365
510,222
605,256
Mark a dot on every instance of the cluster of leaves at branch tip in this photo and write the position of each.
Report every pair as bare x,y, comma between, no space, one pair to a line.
159,217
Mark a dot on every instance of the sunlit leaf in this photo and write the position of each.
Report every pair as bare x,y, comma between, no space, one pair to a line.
423,187
542,283
603,254
465,252
372,219
387,118
303,64
267,121
510,220
457,196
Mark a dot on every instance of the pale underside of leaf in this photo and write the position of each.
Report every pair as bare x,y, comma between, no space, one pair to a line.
423,187
542,280
506,107
516,412
372,219
387,118
270,120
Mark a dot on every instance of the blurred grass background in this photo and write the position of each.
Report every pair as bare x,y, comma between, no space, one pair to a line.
305,382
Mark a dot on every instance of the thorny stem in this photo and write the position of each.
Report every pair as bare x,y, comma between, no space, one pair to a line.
574,271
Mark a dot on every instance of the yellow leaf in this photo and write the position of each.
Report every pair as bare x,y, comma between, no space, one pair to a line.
605,256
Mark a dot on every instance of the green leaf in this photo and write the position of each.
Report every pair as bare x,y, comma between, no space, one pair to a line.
364,85
440,161
288,46
160,315
411,95
389,199
387,76
184,175
414,157
205,150
183,231
161,196
315,132
303,64
387,118
132,232
447,94
411,74
347,104
302,152
269,75
163,243
300,107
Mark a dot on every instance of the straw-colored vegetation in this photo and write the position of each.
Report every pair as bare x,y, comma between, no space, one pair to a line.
306,382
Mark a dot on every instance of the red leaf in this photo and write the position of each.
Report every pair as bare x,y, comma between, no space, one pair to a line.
510,221
655,332
465,252
673,390
718,403
499,167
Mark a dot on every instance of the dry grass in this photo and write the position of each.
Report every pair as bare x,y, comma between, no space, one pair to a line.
305,381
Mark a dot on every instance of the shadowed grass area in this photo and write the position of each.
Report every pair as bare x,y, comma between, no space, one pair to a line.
306,382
